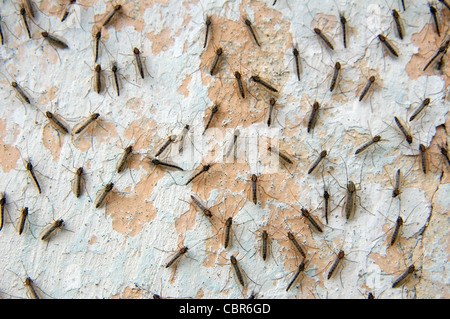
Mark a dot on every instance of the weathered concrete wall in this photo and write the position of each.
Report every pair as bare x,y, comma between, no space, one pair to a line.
106,252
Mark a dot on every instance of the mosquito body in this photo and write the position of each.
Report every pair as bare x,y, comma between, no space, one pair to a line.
442,50
139,64
326,205
407,135
30,8
268,86
101,198
215,65
21,92
296,244
180,253
300,270
398,23
396,190
2,210
324,38
248,23
31,290
337,70
313,116
23,219
214,110
30,171
265,244
400,281
271,107
227,237
98,82
424,103
157,162
2,38
204,169
388,45
111,15
233,142
202,207
322,155
237,270
297,62
78,182
336,263
254,181
366,88
66,11
395,234
343,21
58,224
170,140
182,137
281,155
238,77
25,20
54,40
423,158
98,36
80,127
434,13
208,28
120,166
315,225
363,147
114,70
350,200
56,123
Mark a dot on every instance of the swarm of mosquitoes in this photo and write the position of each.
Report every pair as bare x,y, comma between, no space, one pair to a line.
263,89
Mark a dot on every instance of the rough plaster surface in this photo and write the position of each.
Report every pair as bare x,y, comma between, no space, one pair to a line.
119,250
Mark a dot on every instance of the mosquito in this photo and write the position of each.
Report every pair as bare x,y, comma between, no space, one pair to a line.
23,96
56,122
424,104
81,126
25,20
200,205
238,77
67,10
442,50
324,38
300,269
336,72
158,162
281,155
111,14
366,88
97,38
205,168
257,79
398,23
407,135
400,281
56,225
249,25
388,45
434,15
214,110
297,62
101,198
207,32
54,40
